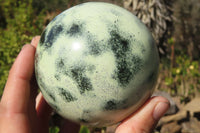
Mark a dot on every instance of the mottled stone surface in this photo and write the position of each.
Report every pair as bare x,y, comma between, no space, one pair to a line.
96,63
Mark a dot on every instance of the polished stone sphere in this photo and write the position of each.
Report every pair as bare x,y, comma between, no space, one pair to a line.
96,63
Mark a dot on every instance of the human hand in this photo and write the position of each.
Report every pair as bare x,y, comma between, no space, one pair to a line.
21,113
146,118
20,110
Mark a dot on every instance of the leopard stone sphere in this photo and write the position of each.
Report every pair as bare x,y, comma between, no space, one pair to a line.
96,63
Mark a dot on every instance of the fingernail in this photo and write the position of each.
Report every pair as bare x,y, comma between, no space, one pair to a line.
35,40
160,109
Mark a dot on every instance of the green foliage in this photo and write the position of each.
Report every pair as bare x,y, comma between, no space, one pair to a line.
54,129
183,79
84,129
20,25
170,41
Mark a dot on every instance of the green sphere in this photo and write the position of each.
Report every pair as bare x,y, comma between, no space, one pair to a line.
96,63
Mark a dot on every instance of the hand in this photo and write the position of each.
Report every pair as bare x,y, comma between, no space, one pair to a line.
21,113
20,110
145,119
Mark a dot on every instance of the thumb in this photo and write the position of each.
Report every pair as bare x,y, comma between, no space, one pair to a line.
146,118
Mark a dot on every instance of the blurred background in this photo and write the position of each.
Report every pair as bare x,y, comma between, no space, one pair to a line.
175,25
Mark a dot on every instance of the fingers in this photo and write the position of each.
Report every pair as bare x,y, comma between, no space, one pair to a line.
145,119
17,90
35,41
43,109
34,86
33,82
43,114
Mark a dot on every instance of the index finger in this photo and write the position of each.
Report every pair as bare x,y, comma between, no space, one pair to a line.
17,90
